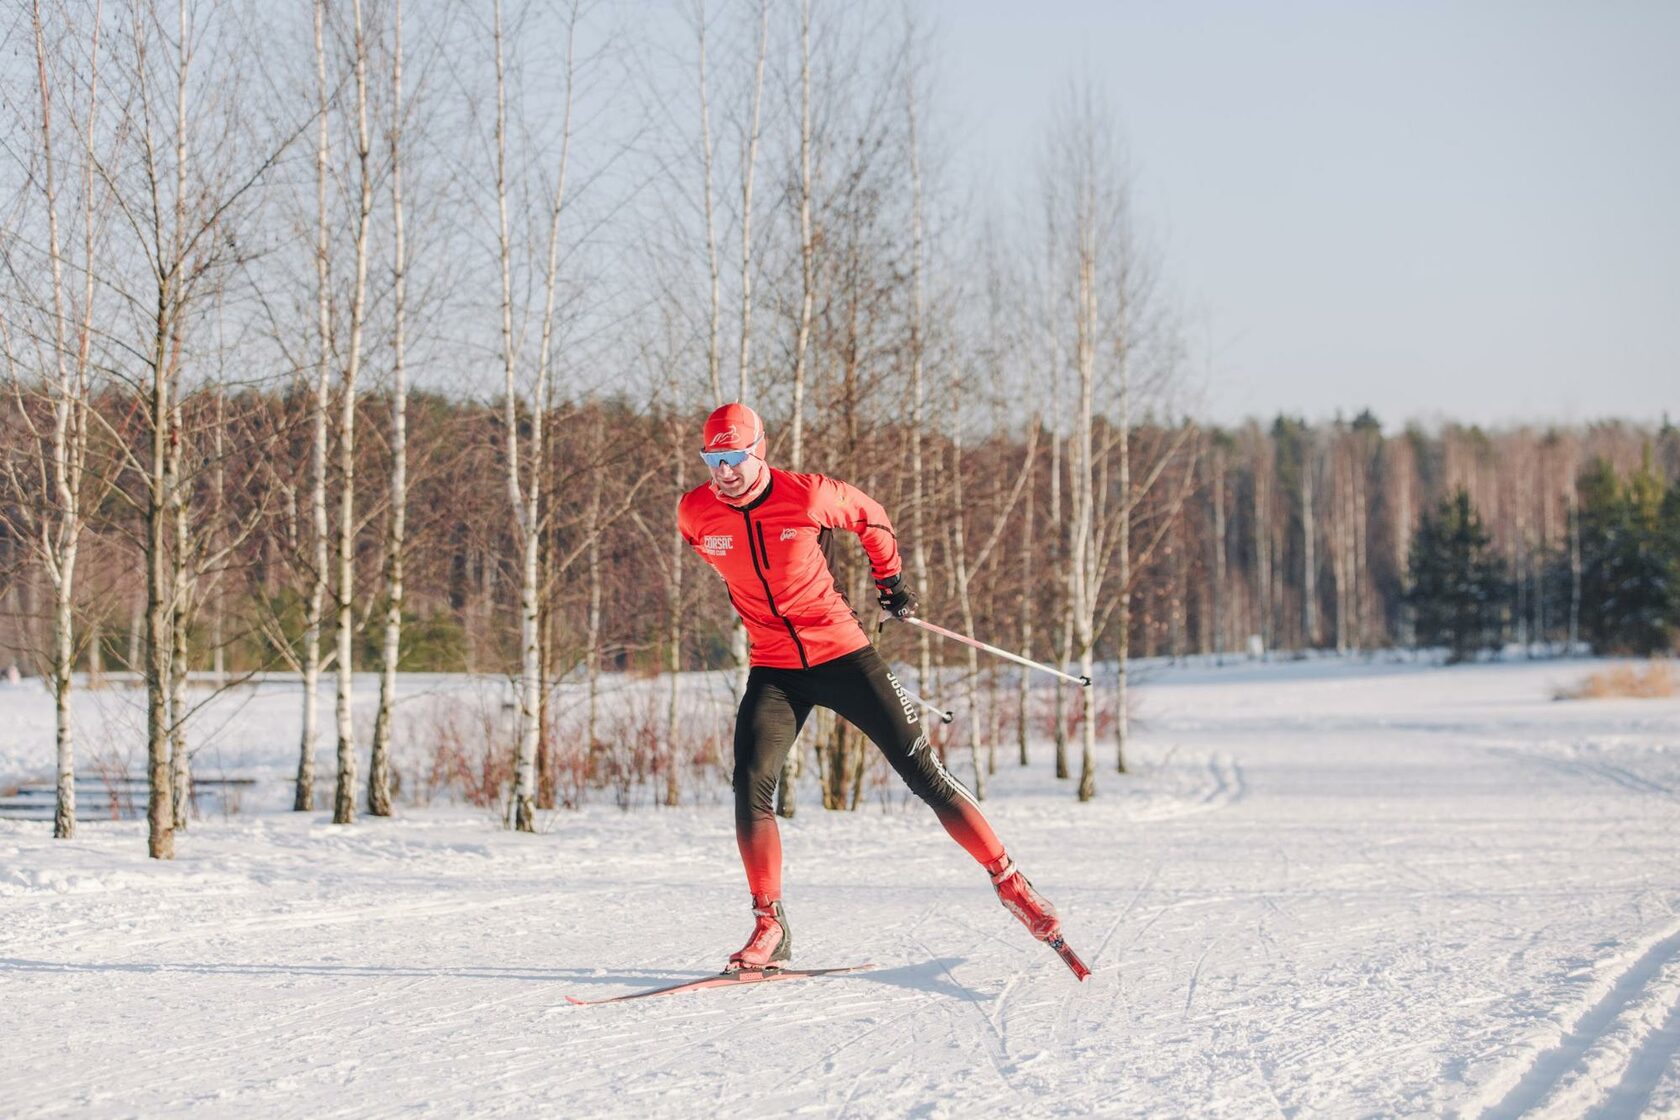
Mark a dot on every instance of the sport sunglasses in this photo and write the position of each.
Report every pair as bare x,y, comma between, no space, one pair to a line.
728,458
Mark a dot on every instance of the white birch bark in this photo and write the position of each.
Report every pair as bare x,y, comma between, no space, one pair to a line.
749,165
1309,537
1080,563
1219,554
180,778
1262,534
379,762
592,642
786,789
344,795
1123,547
57,529
1027,581
524,487
303,797
673,638
807,244
918,481
714,325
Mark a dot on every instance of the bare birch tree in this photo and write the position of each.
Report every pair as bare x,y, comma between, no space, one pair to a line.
181,199
749,168
344,793
303,798
531,392
379,762
51,504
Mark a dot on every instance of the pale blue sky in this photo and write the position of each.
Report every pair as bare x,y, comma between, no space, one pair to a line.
1466,210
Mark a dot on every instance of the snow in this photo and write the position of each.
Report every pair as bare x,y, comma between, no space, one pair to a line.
1326,888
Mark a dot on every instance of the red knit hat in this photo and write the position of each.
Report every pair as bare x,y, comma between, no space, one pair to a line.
734,427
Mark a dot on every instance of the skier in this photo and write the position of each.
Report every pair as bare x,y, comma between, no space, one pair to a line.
768,532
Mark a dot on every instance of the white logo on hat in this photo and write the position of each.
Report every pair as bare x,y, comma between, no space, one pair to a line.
725,436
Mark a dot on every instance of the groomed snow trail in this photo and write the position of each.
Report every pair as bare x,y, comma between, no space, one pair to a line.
1324,889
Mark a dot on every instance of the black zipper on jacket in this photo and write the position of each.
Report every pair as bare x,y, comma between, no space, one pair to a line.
804,663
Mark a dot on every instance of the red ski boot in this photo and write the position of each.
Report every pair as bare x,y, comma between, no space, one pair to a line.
1021,900
771,942
1034,910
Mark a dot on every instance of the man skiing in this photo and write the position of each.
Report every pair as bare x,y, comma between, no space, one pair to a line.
767,533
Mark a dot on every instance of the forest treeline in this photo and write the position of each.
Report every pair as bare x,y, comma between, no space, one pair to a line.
1272,538
347,336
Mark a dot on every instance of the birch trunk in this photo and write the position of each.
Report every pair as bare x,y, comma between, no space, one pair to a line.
1123,545
959,562
1064,647
918,418
1575,565
714,343
379,762
673,638
1080,562
180,777
592,644
749,166
1219,552
64,810
1309,563
749,162
160,812
1337,531
807,244
59,528
303,799
787,787
1260,516
526,496
1026,579
344,796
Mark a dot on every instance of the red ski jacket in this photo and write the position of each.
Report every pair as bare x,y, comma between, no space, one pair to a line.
772,555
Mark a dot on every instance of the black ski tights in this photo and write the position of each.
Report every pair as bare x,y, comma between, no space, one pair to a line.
862,690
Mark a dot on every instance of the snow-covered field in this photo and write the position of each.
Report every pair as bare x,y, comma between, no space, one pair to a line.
1332,889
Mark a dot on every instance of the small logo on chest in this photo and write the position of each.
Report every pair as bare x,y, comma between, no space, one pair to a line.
717,544
789,534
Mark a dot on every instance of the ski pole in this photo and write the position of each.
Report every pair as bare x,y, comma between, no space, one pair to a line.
1082,681
945,715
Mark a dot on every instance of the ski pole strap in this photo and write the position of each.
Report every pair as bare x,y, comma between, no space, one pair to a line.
1082,681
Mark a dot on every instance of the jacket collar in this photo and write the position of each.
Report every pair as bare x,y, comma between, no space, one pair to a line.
752,500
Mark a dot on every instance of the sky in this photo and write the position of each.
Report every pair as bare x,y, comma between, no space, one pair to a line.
1436,210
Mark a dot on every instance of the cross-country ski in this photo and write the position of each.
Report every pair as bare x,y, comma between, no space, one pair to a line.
736,979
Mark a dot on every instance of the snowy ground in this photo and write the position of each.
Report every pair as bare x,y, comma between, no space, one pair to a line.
1326,889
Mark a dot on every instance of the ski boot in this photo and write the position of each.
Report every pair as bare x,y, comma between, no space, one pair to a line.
1034,910
1021,900
771,942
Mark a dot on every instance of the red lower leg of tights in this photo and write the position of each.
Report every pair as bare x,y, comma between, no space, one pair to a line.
761,855
761,846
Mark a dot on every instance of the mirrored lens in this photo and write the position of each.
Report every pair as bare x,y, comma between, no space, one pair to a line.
725,458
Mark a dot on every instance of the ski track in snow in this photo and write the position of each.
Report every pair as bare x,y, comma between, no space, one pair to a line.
1324,888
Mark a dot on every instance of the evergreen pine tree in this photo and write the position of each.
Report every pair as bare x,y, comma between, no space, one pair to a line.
1458,585
1630,549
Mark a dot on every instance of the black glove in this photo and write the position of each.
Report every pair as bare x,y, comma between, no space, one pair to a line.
896,599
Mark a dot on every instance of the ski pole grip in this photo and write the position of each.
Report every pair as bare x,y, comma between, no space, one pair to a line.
1084,681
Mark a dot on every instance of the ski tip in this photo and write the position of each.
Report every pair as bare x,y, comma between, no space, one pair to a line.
576,1002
